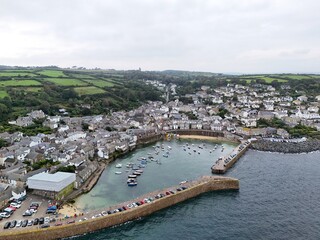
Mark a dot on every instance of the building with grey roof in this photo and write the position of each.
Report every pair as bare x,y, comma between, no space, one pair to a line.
55,186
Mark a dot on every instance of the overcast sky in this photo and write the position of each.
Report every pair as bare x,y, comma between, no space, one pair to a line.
247,36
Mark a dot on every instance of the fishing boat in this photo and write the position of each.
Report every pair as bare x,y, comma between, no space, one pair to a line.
119,165
135,167
132,176
137,173
132,184
131,180
139,170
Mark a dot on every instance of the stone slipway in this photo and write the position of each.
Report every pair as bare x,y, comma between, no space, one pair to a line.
195,188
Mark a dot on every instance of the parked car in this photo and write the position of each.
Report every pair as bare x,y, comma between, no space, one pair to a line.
71,221
30,222
27,213
6,225
46,220
51,211
13,224
24,223
5,214
14,204
36,221
19,223
41,220
45,225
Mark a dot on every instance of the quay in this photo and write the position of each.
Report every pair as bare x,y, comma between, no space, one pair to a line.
224,163
191,189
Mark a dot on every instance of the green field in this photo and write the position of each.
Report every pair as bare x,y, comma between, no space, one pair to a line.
32,89
52,73
88,90
17,74
295,77
16,83
100,83
76,75
66,81
3,94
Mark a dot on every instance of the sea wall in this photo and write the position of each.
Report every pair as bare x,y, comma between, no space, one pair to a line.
205,184
198,132
286,147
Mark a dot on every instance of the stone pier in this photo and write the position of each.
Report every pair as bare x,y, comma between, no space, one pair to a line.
224,163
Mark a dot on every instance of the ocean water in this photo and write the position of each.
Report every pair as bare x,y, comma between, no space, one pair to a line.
278,199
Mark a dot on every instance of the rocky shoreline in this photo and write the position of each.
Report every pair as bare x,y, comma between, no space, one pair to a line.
286,147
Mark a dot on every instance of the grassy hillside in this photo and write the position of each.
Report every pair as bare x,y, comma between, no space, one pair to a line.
23,90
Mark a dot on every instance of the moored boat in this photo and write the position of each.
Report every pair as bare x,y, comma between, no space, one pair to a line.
132,184
119,165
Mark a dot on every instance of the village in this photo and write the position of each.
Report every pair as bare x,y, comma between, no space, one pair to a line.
85,144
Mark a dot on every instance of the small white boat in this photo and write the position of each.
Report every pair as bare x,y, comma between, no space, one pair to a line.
118,173
119,165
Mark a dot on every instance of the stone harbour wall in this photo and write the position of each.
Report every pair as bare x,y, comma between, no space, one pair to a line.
286,147
205,184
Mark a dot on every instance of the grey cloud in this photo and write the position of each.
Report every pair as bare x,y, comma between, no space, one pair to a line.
222,35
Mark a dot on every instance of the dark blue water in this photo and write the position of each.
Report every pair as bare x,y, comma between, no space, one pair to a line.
278,199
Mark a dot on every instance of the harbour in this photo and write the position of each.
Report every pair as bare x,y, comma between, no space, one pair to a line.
158,172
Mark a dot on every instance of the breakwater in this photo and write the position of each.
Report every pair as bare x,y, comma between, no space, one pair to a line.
195,188
224,163
286,147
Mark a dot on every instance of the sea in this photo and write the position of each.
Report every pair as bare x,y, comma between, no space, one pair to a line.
278,197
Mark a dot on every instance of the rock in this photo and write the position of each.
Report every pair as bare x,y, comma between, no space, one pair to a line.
286,147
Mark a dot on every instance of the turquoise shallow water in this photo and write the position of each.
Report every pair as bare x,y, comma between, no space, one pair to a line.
278,199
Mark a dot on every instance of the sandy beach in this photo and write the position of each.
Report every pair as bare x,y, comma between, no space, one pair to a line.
200,137
69,210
